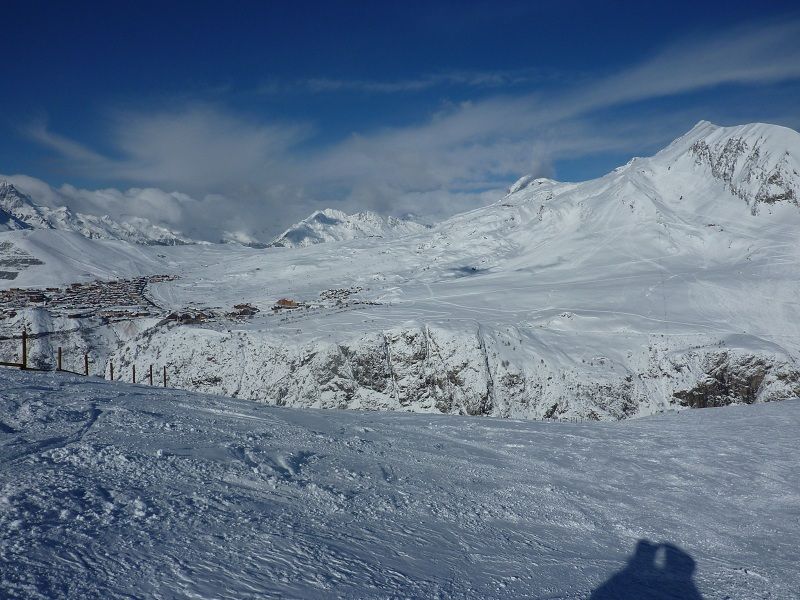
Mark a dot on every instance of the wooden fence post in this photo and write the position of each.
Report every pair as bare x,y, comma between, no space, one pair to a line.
151,375
58,368
165,375
134,373
86,364
24,363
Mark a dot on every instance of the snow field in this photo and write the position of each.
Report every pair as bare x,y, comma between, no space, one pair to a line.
113,490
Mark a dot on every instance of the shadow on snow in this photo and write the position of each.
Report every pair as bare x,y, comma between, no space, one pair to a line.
654,572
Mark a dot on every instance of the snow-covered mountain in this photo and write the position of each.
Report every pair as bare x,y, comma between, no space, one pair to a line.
669,282
332,225
18,211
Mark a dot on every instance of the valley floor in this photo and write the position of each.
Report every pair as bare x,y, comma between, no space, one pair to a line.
113,491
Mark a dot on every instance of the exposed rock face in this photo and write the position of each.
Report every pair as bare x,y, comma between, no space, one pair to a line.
437,370
749,170
730,379
420,369
13,260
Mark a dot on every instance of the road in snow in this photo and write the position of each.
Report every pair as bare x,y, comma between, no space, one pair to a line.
113,491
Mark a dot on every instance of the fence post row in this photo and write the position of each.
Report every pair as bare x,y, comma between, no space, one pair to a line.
24,349
23,364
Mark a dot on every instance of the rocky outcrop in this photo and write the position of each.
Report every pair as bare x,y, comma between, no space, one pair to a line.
728,378
467,372
755,176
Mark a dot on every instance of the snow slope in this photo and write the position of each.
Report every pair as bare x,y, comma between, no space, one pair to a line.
18,211
118,491
38,258
670,282
332,225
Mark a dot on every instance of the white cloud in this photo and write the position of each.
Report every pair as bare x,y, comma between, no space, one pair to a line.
464,79
201,145
71,150
198,147
763,54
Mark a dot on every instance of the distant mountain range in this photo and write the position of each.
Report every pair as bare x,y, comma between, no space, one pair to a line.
332,225
18,211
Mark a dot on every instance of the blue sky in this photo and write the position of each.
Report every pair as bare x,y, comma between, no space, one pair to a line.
254,114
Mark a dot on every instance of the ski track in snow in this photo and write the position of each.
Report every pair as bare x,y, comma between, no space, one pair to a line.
117,491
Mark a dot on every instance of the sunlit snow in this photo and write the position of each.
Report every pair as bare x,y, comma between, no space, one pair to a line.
117,491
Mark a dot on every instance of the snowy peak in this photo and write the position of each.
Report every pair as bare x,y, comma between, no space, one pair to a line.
19,211
331,225
527,181
710,170
758,163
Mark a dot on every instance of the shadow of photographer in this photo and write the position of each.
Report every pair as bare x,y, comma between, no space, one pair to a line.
654,572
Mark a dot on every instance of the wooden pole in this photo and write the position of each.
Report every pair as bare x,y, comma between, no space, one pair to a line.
24,364
58,368
134,373
165,376
151,375
111,364
86,364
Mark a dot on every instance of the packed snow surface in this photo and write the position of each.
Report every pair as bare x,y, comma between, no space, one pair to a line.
109,490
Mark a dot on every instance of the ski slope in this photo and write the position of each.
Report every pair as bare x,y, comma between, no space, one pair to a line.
110,490
64,257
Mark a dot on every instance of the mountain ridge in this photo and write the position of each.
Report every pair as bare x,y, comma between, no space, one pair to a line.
332,225
18,211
